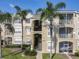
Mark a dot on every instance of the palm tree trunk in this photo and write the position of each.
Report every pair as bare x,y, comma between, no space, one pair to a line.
55,39
22,34
51,37
0,45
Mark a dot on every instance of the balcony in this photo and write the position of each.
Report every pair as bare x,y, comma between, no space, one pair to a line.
66,23
8,34
65,35
37,25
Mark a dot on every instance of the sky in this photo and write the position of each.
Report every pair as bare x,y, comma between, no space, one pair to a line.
35,4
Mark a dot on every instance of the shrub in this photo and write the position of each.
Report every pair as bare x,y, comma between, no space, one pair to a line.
13,46
30,52
25,46
17,46
77,53
33,53
26,52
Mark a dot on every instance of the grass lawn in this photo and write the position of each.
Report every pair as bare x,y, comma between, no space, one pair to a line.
75,57
57,56
8,55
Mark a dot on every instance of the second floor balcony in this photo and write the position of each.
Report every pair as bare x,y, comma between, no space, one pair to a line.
66,23
65,35
66,32
37,25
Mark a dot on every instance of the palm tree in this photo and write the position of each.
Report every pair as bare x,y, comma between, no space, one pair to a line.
22,14
3,18
0,43
48,13
8,22
8,25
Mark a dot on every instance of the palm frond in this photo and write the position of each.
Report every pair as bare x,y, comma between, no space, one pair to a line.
39,10
49,5
50,10
2,19
60,5
42,15
10,27
29,11
7,17
23,14
17,8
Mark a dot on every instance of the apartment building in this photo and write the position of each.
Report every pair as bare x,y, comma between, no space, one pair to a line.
37,33
27,31
65,35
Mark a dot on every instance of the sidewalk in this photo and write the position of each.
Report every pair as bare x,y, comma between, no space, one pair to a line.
68,56
39,55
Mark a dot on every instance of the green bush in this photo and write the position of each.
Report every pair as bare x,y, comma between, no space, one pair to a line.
25,46
30,52
33,53
17,46
77,53
27,51
13,46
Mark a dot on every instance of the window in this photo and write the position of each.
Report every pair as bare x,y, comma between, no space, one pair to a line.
66,17
18,42
48,31
65,32
17,31
62,16
69,16
27,41
49,45
37,25
17,21
28,30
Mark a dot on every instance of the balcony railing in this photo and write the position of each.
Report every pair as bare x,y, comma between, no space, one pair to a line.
65,35
66,22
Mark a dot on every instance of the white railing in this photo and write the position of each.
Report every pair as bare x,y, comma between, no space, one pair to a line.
65,35
66,22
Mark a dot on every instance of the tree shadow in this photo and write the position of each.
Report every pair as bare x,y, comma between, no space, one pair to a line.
53,56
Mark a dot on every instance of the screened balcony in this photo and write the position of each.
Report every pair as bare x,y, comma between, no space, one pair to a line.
66,19
37,25
66,32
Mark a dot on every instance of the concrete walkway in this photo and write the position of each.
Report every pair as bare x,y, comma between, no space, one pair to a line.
39,55
68,56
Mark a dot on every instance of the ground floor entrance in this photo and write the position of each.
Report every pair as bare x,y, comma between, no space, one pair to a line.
66,47
38,41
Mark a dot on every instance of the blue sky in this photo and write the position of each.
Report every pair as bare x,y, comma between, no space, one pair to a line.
35,4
